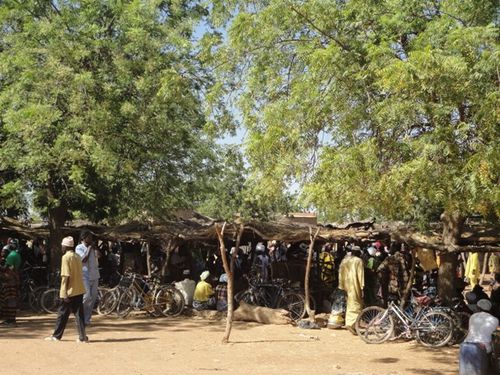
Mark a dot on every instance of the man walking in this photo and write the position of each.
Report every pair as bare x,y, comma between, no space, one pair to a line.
86,250
352,281
71,292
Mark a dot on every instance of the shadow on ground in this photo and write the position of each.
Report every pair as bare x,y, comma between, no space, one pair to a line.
441,355
36,326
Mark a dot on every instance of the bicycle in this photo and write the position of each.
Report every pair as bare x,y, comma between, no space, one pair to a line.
274,295
430,327
460,314
49,298
167,298
30,291
109,300
155,299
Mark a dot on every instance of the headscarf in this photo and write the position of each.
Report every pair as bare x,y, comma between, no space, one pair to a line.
204,275
484,305
223,278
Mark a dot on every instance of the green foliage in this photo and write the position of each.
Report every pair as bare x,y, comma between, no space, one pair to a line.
101,106
230,192
385,108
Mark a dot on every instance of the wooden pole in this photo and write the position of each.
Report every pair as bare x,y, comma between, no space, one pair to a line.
410,279
148,257
229,269
312,239
485,266
170,246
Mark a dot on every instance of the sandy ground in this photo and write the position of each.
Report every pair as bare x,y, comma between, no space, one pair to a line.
141,345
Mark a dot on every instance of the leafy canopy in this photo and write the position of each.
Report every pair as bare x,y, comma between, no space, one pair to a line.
386,108
101,106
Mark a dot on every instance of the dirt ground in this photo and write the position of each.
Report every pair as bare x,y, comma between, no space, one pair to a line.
141,345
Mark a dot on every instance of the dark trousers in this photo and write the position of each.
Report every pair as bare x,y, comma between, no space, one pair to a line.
75,305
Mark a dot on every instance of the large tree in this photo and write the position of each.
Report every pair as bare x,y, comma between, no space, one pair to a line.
378,108
101,107
387,108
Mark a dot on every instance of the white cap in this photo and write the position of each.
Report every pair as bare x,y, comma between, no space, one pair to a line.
68,242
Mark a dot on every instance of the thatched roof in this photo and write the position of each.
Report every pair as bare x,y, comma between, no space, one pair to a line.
195,227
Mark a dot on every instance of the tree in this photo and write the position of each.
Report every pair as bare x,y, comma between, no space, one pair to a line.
378,108
101,107
231,190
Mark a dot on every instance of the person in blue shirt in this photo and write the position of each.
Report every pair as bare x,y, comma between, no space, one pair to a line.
86,251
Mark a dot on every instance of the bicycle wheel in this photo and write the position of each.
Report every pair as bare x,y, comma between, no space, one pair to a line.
169,301
108,303
460,327
365,317
374,325
434,329
101,291
125,303
35,297
50,301
294,303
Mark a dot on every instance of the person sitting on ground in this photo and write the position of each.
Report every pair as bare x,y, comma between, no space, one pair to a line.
221,293
203,298
475,350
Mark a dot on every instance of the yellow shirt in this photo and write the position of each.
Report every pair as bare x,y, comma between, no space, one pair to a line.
203,292
71,266
494,263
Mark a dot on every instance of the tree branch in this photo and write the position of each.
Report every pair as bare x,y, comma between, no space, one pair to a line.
322,32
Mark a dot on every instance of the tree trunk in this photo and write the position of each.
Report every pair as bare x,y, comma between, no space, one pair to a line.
169,247
410,279
452,229
57,217
230,278
312,238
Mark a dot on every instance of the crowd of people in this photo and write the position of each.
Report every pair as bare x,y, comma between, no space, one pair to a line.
374,274
79,280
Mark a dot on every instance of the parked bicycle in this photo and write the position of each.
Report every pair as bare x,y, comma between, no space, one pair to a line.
278,294
30,291
150,296
430,327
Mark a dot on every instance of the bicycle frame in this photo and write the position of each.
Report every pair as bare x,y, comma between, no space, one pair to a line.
409,322
270,293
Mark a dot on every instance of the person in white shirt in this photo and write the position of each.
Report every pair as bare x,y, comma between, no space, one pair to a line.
475,350
86,250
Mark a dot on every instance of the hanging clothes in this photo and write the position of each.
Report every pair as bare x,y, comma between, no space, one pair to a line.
472,271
